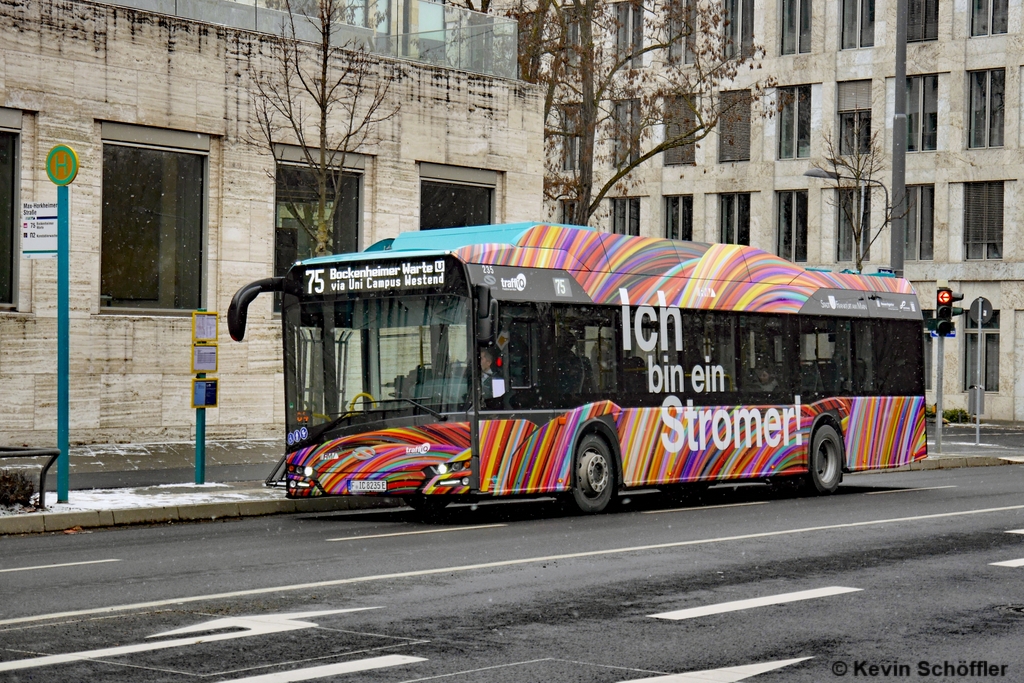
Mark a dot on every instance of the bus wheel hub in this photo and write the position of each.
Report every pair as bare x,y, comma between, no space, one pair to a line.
593,473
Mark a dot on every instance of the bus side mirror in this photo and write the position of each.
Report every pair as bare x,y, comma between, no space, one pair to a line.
486,314
238,310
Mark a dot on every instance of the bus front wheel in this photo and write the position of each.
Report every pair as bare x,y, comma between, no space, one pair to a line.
594,466
825,464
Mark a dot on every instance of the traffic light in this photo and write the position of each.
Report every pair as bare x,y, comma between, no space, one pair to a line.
944,310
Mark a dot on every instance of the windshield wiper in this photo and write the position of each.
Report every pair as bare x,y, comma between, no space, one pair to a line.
440,416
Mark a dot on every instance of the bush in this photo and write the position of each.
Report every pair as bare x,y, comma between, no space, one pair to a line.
15,489
956,415
929,411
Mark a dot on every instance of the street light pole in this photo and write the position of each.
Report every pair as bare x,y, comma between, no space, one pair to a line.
898,232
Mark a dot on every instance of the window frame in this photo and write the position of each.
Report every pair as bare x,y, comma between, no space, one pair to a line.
792,201
731,145
629,31
625,214
674,117
989,18
735,231
13,265
927,25
790,99
124,141
918,114
625,132
972,133
679,211
986,240
915,233
863,8
847,236
739,35
800,35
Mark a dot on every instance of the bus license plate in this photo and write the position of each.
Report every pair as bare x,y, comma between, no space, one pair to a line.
360,486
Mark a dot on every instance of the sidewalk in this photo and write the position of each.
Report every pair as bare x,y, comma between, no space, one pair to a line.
115,485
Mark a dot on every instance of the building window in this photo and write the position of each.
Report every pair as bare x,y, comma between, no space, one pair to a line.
796,26
792,225
7,217
795,122
920,223
983,220
567,211
854,107
152,228
679,121
679,217
858,23
739,28
571,139
626,135
923,20
850,199
681,31
989,353
734,126
989,17
626,215
454,205
922,113
986,125
295,229
735,216
629,32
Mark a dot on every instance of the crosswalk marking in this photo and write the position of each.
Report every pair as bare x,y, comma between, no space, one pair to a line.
415,533
705,507
315,672
754,602
1009,563
730,674
920,488
55,566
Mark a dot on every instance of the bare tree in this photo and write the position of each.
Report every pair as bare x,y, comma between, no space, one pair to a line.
626,81
852,166
324,93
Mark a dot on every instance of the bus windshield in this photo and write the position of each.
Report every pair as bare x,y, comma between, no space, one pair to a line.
361,360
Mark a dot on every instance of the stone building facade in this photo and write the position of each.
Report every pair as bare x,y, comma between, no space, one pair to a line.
836,61
159,112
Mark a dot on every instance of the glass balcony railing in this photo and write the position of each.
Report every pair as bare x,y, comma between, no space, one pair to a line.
425,32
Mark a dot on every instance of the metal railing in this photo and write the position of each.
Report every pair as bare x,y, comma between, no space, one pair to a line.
19,452
425,32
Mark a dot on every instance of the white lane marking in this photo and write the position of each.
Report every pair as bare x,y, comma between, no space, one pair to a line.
1009,563
55,566
1015,531
415,533
730,674
253,625
922,488
330,670
737,605
705,507
490,565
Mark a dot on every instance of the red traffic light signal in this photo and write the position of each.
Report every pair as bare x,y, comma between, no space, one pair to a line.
943,303
944,297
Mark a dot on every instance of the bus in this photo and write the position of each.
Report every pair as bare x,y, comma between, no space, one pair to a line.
537,359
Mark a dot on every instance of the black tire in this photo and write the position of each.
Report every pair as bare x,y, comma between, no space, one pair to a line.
594,474
825,461
428,506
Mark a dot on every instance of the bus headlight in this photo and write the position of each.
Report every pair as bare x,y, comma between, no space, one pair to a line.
308,471
442,469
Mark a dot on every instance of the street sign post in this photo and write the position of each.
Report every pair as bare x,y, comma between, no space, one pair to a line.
62,169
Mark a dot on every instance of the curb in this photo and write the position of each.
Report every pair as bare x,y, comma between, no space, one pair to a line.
951,462
40,522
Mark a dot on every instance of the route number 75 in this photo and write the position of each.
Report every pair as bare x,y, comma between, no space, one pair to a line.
315,283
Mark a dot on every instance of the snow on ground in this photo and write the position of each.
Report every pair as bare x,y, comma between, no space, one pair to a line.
168,495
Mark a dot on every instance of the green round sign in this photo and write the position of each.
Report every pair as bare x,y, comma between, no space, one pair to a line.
62,165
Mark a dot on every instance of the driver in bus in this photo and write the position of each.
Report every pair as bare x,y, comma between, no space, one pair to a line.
487,356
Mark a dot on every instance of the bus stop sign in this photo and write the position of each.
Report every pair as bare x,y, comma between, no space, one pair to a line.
62,165
983,307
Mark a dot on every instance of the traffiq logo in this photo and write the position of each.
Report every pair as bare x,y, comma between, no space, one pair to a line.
515,284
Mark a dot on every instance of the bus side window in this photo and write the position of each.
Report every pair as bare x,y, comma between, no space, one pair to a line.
522,369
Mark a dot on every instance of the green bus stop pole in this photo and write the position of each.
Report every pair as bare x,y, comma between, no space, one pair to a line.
63,249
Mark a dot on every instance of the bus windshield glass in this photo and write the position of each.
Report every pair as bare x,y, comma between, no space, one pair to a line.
361,360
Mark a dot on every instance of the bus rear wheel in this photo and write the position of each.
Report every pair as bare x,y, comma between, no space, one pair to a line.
594,467
825,461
